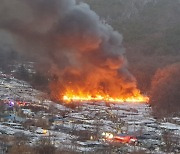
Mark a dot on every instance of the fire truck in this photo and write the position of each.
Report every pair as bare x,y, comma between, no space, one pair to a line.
121,138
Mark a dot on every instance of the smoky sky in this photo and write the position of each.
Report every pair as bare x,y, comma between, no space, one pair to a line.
61,35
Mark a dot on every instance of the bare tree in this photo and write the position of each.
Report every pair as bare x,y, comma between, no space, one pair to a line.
20,144
171,141
165,91
45,146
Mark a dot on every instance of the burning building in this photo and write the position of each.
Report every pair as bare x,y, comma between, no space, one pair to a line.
70,41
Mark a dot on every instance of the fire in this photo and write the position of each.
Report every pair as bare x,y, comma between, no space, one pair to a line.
83,56
73,97
96,85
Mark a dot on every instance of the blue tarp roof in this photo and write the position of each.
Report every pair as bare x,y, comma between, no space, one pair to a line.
13,117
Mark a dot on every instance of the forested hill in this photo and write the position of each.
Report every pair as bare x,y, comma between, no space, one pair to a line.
152,20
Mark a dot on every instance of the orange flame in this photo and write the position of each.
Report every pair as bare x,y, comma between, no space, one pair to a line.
73,97
100,84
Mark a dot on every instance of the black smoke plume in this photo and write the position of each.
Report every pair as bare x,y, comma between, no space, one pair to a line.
68,39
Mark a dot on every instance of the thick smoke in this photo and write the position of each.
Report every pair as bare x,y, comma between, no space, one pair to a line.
68,39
